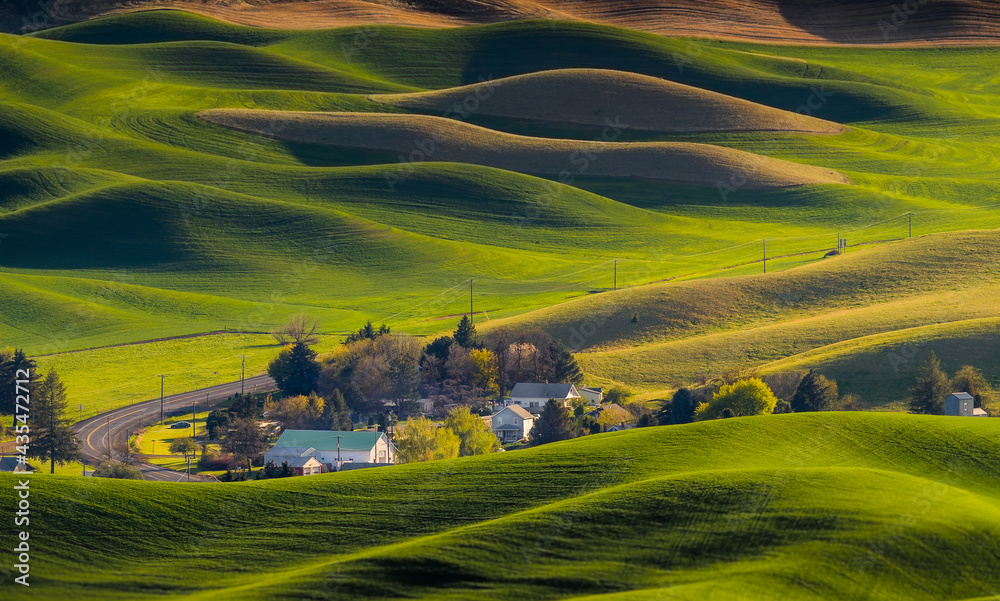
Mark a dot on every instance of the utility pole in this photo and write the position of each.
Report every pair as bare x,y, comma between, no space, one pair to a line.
910,217
616,275
243,374
109,437
765,254
340,464
472,313
161,396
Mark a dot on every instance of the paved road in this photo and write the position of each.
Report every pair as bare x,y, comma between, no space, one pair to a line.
93,432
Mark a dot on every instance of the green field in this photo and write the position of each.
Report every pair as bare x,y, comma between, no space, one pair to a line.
811,506
127,218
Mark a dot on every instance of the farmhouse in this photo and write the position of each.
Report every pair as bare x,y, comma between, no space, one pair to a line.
534,396
333,450
594,395
961,403
512,423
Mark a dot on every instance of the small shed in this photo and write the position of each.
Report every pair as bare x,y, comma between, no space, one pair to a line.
960,403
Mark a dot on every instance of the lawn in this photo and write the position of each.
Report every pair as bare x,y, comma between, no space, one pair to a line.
761,506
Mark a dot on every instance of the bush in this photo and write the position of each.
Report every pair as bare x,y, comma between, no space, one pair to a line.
118,470
213,461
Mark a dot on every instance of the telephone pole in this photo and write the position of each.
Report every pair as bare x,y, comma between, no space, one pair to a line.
765,254
161,396
243,374
910,225
472,313
616,275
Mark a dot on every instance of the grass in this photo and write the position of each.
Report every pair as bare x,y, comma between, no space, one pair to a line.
592,97
749,506
203,228
844,316
440,139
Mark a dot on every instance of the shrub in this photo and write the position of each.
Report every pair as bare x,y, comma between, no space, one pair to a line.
750,396
118,470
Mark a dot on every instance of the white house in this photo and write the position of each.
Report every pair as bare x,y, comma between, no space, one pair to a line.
962,403
594,395
332,449
512,423
534,396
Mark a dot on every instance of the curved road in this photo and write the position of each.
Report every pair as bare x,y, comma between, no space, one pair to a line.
94,432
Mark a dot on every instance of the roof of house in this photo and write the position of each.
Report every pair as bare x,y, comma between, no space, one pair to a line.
527,390
962,396
10,464
326,440
302,461
592,389
517,410
979,412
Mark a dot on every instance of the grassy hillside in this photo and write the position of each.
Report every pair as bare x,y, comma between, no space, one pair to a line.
441,139
850,316
752,507
592,97
128,218
782,21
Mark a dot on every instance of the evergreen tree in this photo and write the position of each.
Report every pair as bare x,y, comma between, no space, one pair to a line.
815,393
553,424
931,389
244,406
296,370
336,414
564,367
10,363
682,407
52,437
465,333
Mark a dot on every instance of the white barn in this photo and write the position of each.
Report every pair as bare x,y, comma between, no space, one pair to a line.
333,449
534,396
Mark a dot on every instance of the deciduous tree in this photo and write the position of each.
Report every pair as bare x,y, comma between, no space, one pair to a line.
750,396
475,437
971,380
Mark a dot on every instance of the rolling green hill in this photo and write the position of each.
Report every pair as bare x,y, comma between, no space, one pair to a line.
110,181
818,506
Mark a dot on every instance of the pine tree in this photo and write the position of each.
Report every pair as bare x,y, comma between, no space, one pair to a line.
564,367
815,393
10,363
52,437
337,416
465,333
296,370
682,407
931,389
553,424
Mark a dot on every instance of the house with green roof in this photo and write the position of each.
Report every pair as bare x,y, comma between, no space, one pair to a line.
335,450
